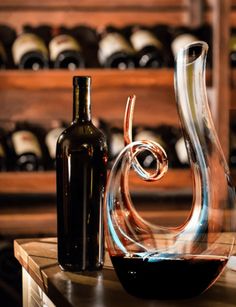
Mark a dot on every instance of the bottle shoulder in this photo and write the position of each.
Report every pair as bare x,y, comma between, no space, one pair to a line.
81,133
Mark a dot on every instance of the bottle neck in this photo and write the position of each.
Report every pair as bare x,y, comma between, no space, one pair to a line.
81,105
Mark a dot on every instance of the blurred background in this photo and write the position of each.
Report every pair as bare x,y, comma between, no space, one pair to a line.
128,47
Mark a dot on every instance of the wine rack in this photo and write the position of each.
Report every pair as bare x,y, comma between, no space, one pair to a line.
47,95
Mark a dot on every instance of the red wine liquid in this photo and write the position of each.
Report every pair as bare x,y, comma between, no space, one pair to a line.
168,278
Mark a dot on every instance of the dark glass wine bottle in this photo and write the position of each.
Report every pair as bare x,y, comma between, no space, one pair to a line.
164,34
27,151
81,159
29,51
65,51
3,56
181,37
232,143
115,51
51,137
232,48
181,152
146,158
149,49
7,37
88,39
4,154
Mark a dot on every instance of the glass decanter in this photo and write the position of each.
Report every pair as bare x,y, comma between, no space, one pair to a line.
174,262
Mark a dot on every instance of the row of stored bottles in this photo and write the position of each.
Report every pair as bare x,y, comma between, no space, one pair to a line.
28,146
44,46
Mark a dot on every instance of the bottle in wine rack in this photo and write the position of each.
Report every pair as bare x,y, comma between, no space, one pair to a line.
81,160
7,37
29,51
116,141
204,33
4,152
65,51
26,147
88,39
232,48
164,34
232,151
149,49
57,127
3,56
146,158
181,152
181,37
115,50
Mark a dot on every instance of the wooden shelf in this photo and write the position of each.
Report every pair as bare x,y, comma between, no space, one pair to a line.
98,13
102,78
160,4
49,94
45,182
31,222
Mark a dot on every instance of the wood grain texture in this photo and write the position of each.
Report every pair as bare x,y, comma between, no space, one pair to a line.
45,182
170,4
39,258
93,18
19,223
221,82
49,95
102,78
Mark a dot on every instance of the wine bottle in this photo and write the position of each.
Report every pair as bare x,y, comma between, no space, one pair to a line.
181,37
3,56
181,152
7,37
29,51
57,127
88,39
148,48
65,51
146,158
164,34
114,50
116,141
4,154
81,160
232,48
28,155
232,151
205,33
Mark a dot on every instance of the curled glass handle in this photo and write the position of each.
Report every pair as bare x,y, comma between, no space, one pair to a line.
154,148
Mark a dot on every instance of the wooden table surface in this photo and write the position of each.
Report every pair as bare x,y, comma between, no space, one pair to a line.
102,289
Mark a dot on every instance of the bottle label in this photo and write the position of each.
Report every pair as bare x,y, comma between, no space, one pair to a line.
112,43
51,140
181,151
61,43
117,144
232,43
2,151
182,40
3,54
143,38
25,141
25,43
